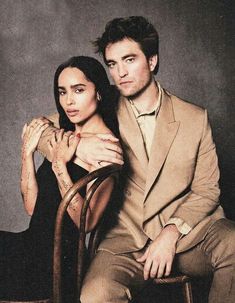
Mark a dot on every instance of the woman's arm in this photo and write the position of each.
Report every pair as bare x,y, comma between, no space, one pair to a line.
102,148
63,148
29,188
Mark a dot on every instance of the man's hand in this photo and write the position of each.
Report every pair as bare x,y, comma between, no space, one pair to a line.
159,256
100,150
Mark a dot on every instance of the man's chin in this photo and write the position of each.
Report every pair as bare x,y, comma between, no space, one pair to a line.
127,94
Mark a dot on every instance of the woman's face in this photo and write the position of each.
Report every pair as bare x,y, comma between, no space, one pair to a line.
77,95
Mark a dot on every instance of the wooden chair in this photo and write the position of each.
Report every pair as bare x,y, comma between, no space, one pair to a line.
179,279
99,176
185,282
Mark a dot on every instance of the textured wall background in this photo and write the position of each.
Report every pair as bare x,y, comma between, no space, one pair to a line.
36,36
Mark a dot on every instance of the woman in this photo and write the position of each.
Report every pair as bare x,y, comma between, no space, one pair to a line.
81,89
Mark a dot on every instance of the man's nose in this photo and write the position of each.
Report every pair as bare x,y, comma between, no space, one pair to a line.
122,71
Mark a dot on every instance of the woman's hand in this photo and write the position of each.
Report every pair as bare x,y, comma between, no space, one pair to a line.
31,134
63,147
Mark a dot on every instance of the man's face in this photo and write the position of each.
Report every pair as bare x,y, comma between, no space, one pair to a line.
128,66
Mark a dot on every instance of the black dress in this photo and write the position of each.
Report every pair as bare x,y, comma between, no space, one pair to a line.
26,257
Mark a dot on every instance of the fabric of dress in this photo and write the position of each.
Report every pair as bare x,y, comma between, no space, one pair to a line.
26,258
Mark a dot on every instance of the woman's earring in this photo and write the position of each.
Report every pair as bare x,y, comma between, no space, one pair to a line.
98,97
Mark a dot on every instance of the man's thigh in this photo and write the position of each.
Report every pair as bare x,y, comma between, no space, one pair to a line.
112,278
215,251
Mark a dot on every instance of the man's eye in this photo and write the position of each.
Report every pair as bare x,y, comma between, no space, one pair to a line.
111,65
130,60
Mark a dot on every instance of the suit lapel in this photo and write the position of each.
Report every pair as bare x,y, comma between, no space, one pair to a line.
130,131
165,132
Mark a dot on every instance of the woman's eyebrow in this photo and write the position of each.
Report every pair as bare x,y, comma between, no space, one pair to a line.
78,84
72,86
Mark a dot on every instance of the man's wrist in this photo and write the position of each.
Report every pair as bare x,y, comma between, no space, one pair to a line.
181,225
173,231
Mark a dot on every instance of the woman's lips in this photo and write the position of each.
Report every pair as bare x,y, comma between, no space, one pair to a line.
72,113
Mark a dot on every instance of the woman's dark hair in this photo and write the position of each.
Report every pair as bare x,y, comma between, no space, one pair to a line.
94,72
136,28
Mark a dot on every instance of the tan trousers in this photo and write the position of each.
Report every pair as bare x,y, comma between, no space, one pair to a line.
116,278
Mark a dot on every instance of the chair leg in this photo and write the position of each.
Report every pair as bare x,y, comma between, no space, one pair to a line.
187,292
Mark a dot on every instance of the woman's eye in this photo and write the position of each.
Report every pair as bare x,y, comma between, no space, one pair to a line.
79,90
61,93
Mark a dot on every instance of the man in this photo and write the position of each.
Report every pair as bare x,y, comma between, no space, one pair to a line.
170,209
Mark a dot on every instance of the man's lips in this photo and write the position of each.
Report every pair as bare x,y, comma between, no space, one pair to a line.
125,82
72,113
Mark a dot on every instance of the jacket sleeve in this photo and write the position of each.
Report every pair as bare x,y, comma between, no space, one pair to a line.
203,198
47,134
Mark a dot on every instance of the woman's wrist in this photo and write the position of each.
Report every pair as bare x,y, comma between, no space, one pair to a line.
26,154
58,166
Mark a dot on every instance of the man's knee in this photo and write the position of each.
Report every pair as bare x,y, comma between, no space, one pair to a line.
102,289
223,232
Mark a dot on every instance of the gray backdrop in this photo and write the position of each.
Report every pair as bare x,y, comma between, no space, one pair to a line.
36,36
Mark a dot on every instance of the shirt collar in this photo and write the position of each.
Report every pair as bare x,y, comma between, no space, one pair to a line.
155,109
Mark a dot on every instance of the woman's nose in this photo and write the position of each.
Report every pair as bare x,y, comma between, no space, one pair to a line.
70,99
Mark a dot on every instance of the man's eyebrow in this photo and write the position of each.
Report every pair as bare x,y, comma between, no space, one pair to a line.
128,55
123,58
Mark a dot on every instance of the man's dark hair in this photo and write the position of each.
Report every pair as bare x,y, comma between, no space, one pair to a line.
94,72
136,28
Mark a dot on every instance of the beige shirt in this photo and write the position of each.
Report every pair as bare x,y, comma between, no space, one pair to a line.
147,122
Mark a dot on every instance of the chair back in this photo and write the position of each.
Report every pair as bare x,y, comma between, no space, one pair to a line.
99,176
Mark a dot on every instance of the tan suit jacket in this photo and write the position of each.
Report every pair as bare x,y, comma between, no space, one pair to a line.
179,180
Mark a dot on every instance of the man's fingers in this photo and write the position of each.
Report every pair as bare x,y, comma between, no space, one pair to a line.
143,258
102,163
107,137
110,153
112,147
168,268
160,271
115,161
73,142
110,160
154,270
147,267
